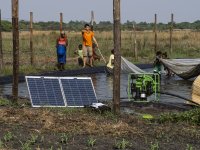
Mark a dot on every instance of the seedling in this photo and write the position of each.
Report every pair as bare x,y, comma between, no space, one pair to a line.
189,147
8,136
1,144
42,139
64,138
122,144
154,146
60,148
33,139
91,142
25,146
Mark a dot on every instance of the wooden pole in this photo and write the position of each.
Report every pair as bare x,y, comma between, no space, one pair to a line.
1,48
92,18
61,22
31,38
117,60
171,32
155,31
15,27
135,42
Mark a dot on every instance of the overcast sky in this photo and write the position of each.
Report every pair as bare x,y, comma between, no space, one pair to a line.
137,10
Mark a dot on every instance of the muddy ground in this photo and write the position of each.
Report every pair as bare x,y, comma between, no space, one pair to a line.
24,127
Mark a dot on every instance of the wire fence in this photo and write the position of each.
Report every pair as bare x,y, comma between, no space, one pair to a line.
185,44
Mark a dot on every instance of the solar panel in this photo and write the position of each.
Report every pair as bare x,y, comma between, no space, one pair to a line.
45,92
78,91
60,91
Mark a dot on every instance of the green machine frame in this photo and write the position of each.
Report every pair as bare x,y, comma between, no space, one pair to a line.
144,87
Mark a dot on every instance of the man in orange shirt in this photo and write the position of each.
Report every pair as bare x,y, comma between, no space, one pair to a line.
88,37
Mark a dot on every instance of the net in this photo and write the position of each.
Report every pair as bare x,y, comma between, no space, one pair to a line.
184,68
128,67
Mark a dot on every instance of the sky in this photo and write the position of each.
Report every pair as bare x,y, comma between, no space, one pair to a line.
132,10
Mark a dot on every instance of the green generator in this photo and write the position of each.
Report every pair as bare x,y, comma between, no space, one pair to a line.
144,87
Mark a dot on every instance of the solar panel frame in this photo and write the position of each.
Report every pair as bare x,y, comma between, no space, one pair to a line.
92,91
64,104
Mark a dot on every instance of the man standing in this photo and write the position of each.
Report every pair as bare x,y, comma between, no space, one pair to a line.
61,45
88,37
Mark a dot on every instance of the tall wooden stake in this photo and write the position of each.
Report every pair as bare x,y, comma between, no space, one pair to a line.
61,22
31,38
1,48
92,18
135,42
117,60
155,31
171,32
15,27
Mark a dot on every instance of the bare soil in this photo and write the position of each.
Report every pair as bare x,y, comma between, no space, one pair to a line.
24,127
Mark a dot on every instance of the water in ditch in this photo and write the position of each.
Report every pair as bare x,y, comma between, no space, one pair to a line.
103,85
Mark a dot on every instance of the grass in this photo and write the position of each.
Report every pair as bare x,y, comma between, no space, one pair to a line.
191,117
185,45
4,102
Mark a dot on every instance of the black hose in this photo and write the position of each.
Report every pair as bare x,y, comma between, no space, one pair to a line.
181,97
175,95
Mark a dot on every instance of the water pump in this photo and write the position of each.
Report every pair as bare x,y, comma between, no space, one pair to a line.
144,87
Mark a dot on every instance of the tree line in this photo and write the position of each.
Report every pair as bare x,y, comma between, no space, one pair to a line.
101,26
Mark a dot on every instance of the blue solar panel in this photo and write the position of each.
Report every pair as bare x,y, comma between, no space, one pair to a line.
45,91
78,91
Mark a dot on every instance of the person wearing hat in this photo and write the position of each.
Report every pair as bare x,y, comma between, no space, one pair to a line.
61,45
88,38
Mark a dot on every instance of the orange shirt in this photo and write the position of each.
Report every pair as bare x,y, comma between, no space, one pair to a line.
87,38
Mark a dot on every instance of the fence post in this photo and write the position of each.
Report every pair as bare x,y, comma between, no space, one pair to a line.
92,17
1,48
135,42
31,38
61,22
171,32
117,60
15,28
155,31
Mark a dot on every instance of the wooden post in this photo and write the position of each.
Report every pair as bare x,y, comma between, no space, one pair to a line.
155,31
31,38
92,18
117,60
135,42
15,27
61,21
1,48
171,31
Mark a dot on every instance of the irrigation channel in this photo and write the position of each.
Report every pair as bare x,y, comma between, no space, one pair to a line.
103,84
